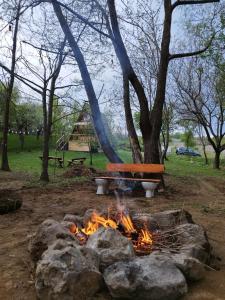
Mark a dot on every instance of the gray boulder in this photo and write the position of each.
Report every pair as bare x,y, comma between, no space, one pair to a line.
70,226
87,215
149,277
172,218
67,272
78,220
48,232
111,246
192,268
194,241
145,219
162,220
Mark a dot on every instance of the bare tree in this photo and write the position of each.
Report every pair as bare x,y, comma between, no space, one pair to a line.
150,120
9,87
200,92
95,111
42,73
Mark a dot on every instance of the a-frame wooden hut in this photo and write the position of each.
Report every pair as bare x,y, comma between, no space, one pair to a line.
83,137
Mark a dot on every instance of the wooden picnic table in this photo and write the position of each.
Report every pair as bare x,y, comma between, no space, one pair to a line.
76,161
55,158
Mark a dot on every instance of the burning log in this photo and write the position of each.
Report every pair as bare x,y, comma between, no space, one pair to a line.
142,239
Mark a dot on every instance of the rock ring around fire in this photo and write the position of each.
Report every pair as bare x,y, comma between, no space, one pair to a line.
65,269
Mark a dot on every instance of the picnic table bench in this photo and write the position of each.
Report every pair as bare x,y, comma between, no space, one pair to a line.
55,158
149,185
76,161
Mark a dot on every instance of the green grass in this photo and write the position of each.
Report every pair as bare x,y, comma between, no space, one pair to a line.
28,161
181,165
30,143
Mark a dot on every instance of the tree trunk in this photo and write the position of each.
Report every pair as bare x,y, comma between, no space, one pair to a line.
45,154
205,154
135,146
5,162
95,111
216,164
48,113
150,123
9,91
44,174
21,138
156,113
165,144
121,52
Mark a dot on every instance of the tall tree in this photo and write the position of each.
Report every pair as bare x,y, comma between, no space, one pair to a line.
95,111
9,88
150,121
50,64
200,92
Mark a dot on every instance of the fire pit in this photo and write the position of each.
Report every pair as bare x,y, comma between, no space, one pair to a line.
134,256
141,238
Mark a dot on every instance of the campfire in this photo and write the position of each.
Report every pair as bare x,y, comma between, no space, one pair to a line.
131,254
142,239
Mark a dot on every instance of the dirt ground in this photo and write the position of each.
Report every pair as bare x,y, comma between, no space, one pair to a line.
204,198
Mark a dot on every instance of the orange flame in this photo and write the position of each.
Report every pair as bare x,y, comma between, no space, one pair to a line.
74,229
90,228
127,224
97,220
142,243
145,238
104,222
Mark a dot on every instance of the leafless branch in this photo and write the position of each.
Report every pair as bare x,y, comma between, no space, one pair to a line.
194,53
193,2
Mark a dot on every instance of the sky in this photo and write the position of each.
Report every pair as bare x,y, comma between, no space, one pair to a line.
109,77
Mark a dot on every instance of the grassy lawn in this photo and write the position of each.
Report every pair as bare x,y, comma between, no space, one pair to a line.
30,142
181,165
29,161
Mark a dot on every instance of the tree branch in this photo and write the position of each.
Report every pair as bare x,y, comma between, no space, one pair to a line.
24,80
83,19
193,2
188,54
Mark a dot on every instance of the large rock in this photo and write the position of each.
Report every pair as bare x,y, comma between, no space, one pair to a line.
67,272
145,220
162,220
172,218
87,216
150,277
192,268
111,246
48,232
194,241
78,220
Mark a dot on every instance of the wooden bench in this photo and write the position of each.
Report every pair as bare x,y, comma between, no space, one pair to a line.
148,184
55,158
76,161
